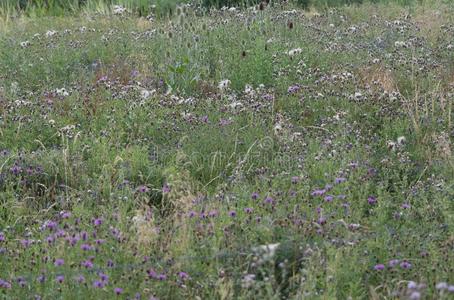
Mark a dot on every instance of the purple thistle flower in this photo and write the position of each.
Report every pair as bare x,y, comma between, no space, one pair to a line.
405,265
87,264
110,263
4,284
268,200
85,247
152,274
162,277
192,214
379,267
441,286
103,277
143,189
118,291
415,295
405,206
51,225
340,180
165,188
59,262
451,288
183,275
60,278
97,222
393,262
329,198
255,196
248,210
293,89
213,213
204,119
371,200
98,284
25,243
232,213
2,237
41,278
318,192
80,279
65,214
15,170
295,179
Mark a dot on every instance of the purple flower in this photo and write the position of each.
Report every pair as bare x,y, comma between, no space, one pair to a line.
118,291
162,277
441,286
412,285
393,262
204,119
379,267
143,189
213,213
268,200
318,192
65,214
451,288
97,222
255,196
329,198
98,284
41,278
15,170
192,214
4,284
321,221
248,210
183,275
166,188
405,206
152,274
60,278
25,243
340,180
80,279
371,200
103,277
59,262
293,89
232,213
405,265
2,237
415,295
87,264
328,187
295,179
85,247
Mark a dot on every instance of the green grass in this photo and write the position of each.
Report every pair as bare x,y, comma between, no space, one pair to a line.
341,153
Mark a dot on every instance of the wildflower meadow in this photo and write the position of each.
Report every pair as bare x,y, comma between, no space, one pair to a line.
226,149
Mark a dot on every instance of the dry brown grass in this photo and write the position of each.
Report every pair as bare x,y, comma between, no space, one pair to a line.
378,76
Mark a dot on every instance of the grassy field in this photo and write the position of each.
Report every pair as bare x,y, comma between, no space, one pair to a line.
273,153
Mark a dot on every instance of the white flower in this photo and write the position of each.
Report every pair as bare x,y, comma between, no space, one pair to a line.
118,9
25,44
401,140
62,92
51,33
400,44
145,94
294,52
224,84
